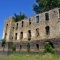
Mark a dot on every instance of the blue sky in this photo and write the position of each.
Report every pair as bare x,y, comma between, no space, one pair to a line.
9,7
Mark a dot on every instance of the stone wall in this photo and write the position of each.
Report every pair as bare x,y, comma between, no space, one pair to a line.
33,47
53,22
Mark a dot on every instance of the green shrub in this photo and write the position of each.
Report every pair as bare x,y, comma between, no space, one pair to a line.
14,48
48,48
3,42
28,47
19,17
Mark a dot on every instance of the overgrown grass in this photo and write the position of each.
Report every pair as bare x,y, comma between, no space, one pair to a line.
46,56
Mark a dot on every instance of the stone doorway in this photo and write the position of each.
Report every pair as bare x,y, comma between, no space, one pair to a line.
51,43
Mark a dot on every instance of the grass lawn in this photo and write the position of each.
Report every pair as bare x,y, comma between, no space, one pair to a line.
46,56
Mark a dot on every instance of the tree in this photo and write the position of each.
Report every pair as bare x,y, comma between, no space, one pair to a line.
3,43
45,5
19,17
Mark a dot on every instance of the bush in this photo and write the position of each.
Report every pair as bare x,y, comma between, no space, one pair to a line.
3,42
28,47
48,48
19,17
14,48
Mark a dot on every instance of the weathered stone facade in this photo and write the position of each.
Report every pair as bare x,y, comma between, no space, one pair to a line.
34,30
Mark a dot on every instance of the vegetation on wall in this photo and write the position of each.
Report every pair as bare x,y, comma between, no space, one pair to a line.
45,5
19,17
48,48
28,47
14,48
3,43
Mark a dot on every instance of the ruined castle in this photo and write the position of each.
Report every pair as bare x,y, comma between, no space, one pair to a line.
35,30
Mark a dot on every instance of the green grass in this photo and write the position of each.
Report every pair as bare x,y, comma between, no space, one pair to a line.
46,56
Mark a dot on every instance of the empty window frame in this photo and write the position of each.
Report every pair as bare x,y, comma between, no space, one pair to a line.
47,16
5,35
16,26
13,28
15,36
28,47
37,19
22,23
37,46
29,21
29,34
47,30
6,26
59,13
21,35
50,43
37,32
12,38
20,46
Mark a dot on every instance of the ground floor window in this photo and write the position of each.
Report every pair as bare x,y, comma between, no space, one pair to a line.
50,43
37,46
20,46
